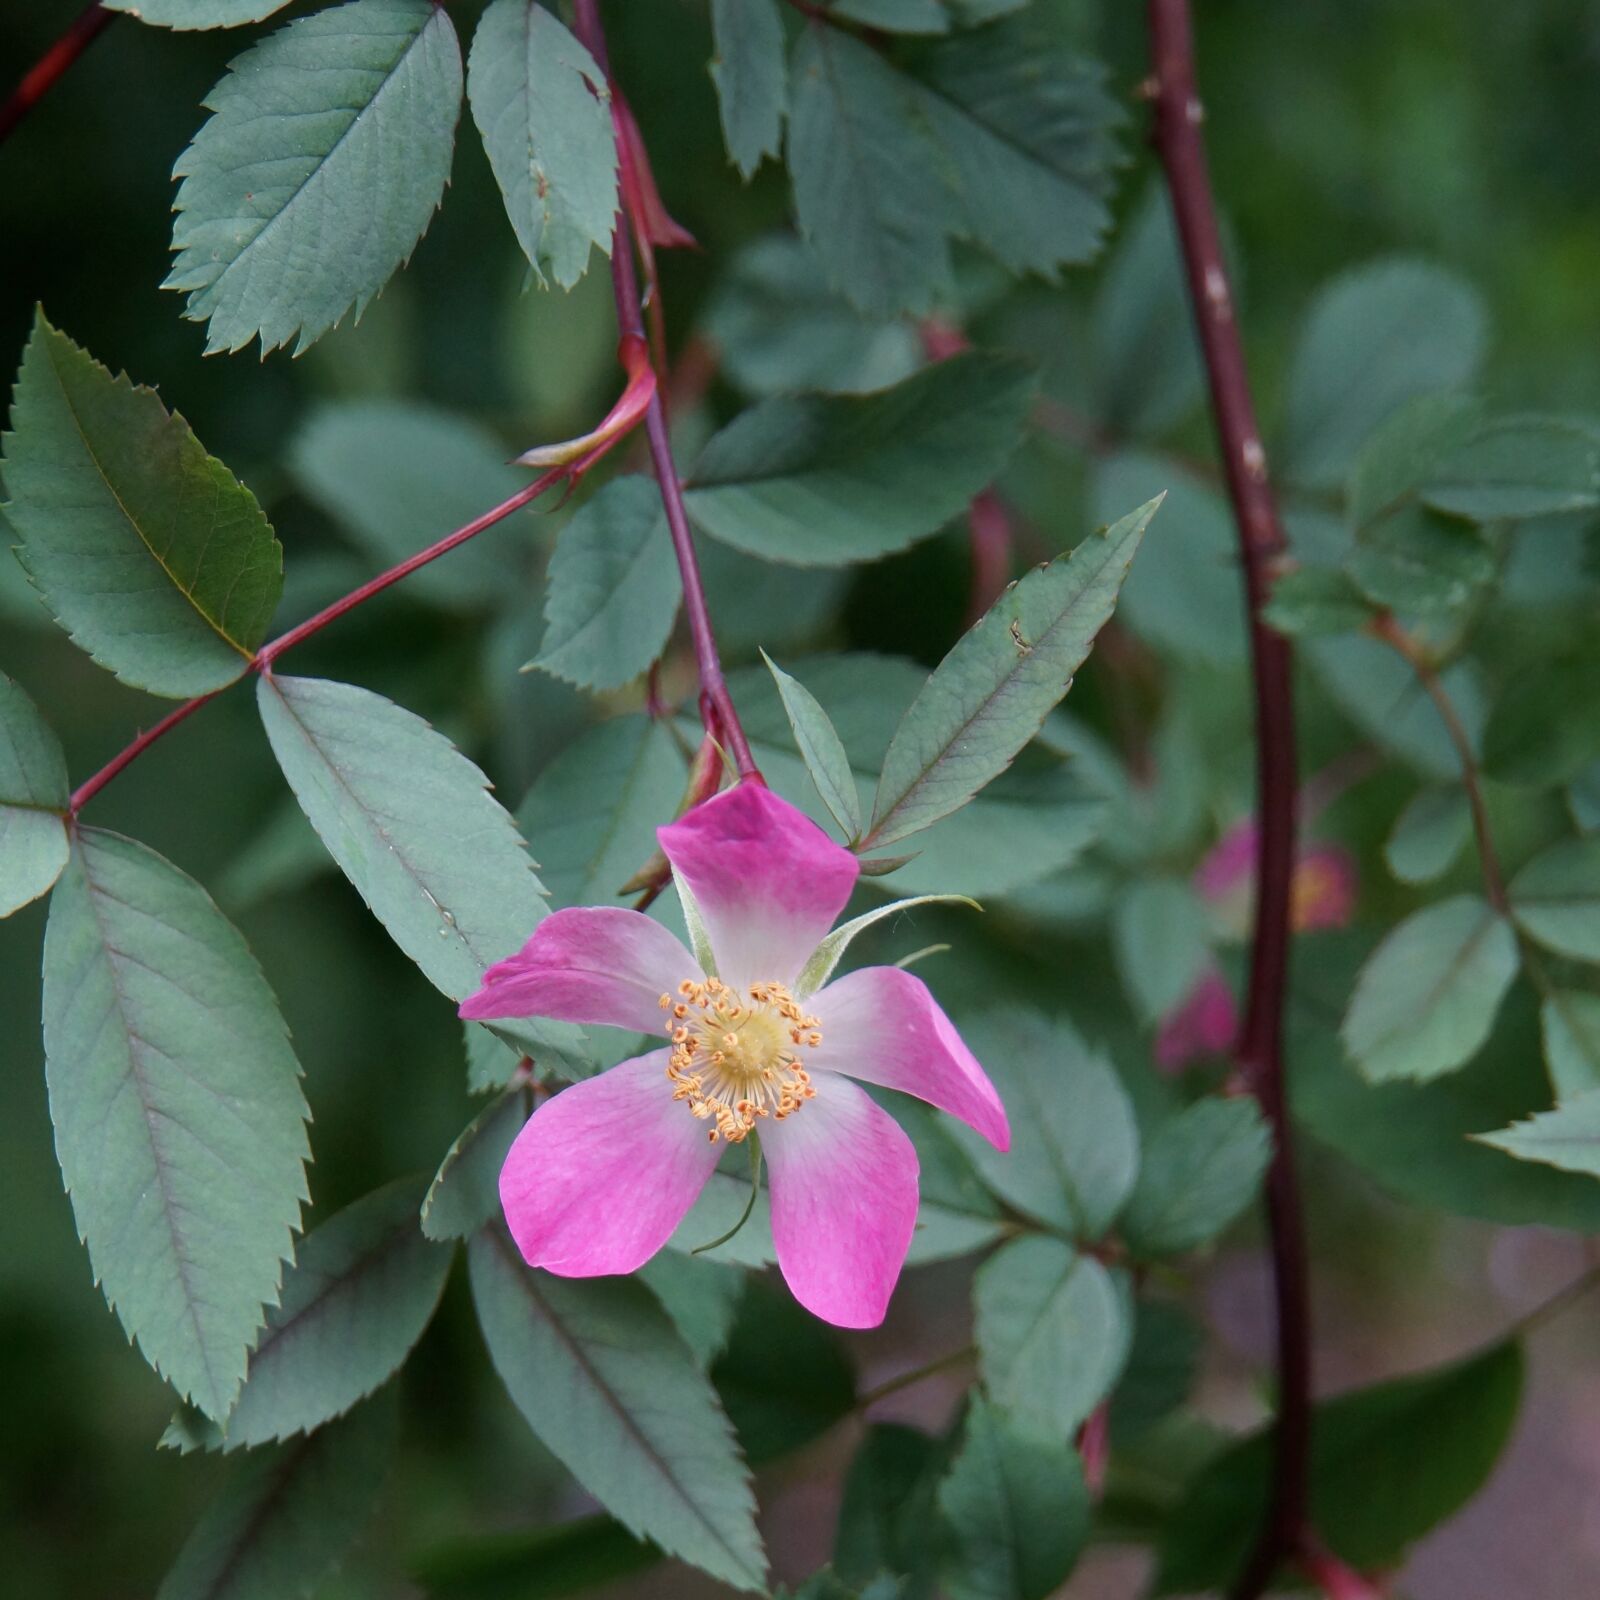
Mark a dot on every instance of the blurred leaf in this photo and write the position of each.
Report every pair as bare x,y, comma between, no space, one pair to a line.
1545,725
751,78
784,1377
592,813
818,743
1571,1027
1387,1464
1308,601
361,1292
603,1379
286,1515
1074,1143
869,193
824,480
1162,1363
1520,467
700,1295
283,855
1201,1168
722,1202
1583,798
779,328
1567,1137
400,476
326,154
1053,1329
888,1516
1161,938
540,1564
1017,1510
614,589
179,1122
465,1192
491,1062
1556,898
34,794
412,825
1375,338
1147,367
1421,564
197,13
1427,996
922,16
1403,452
147,550
991,693
1429,834
544,111
956,1215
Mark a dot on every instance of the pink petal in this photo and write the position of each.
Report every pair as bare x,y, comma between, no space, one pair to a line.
599,964
1203,1024
603,1172
1324,893
769,882
844,1203
881,1025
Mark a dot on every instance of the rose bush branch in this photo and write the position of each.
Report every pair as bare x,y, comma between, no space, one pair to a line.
42,77
1259,1052
717,711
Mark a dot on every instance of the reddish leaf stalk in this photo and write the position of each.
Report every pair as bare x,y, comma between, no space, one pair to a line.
717,711
1259,1052
41,77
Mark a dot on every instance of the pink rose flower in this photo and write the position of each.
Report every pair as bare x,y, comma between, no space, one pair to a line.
603,1173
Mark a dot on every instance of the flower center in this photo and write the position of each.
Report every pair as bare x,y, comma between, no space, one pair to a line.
736,1056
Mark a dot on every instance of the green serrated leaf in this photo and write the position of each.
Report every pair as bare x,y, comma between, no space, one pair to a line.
287,1515
1571,1028
412,825
818,743
147,550
1053,1329
1567,1137
544,110
465,1192
181,14
1163,1361
956,1213
1556,898
1376,337
991,693
1074,1142
823,480
1520,467
1387,1464
1017,1510
1429,834
1428,995
603,1379
327,152
400,476
752,78
701,1295
614,589
33,797
179,1122
1200,1170
362,1289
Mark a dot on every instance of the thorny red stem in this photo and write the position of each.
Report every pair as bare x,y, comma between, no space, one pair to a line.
717,711
41,77
1259,1051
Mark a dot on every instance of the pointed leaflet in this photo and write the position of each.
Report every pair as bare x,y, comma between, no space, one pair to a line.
358,1297
818,743
606,1383
544,111
1017,1510
1521,467
179,14
751,78
1567,1137
465,1192
33,798
286,1515
177,1109
1556,898
1571,1026
148,551
327,153
411,822
1428,995
829,953
821,480
1429,834
991,694
613,589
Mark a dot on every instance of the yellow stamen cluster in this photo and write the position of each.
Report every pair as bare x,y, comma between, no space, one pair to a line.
736,1057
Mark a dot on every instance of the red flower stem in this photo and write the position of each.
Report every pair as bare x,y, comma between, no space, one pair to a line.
41,77
717,712
1259,1052
269,653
